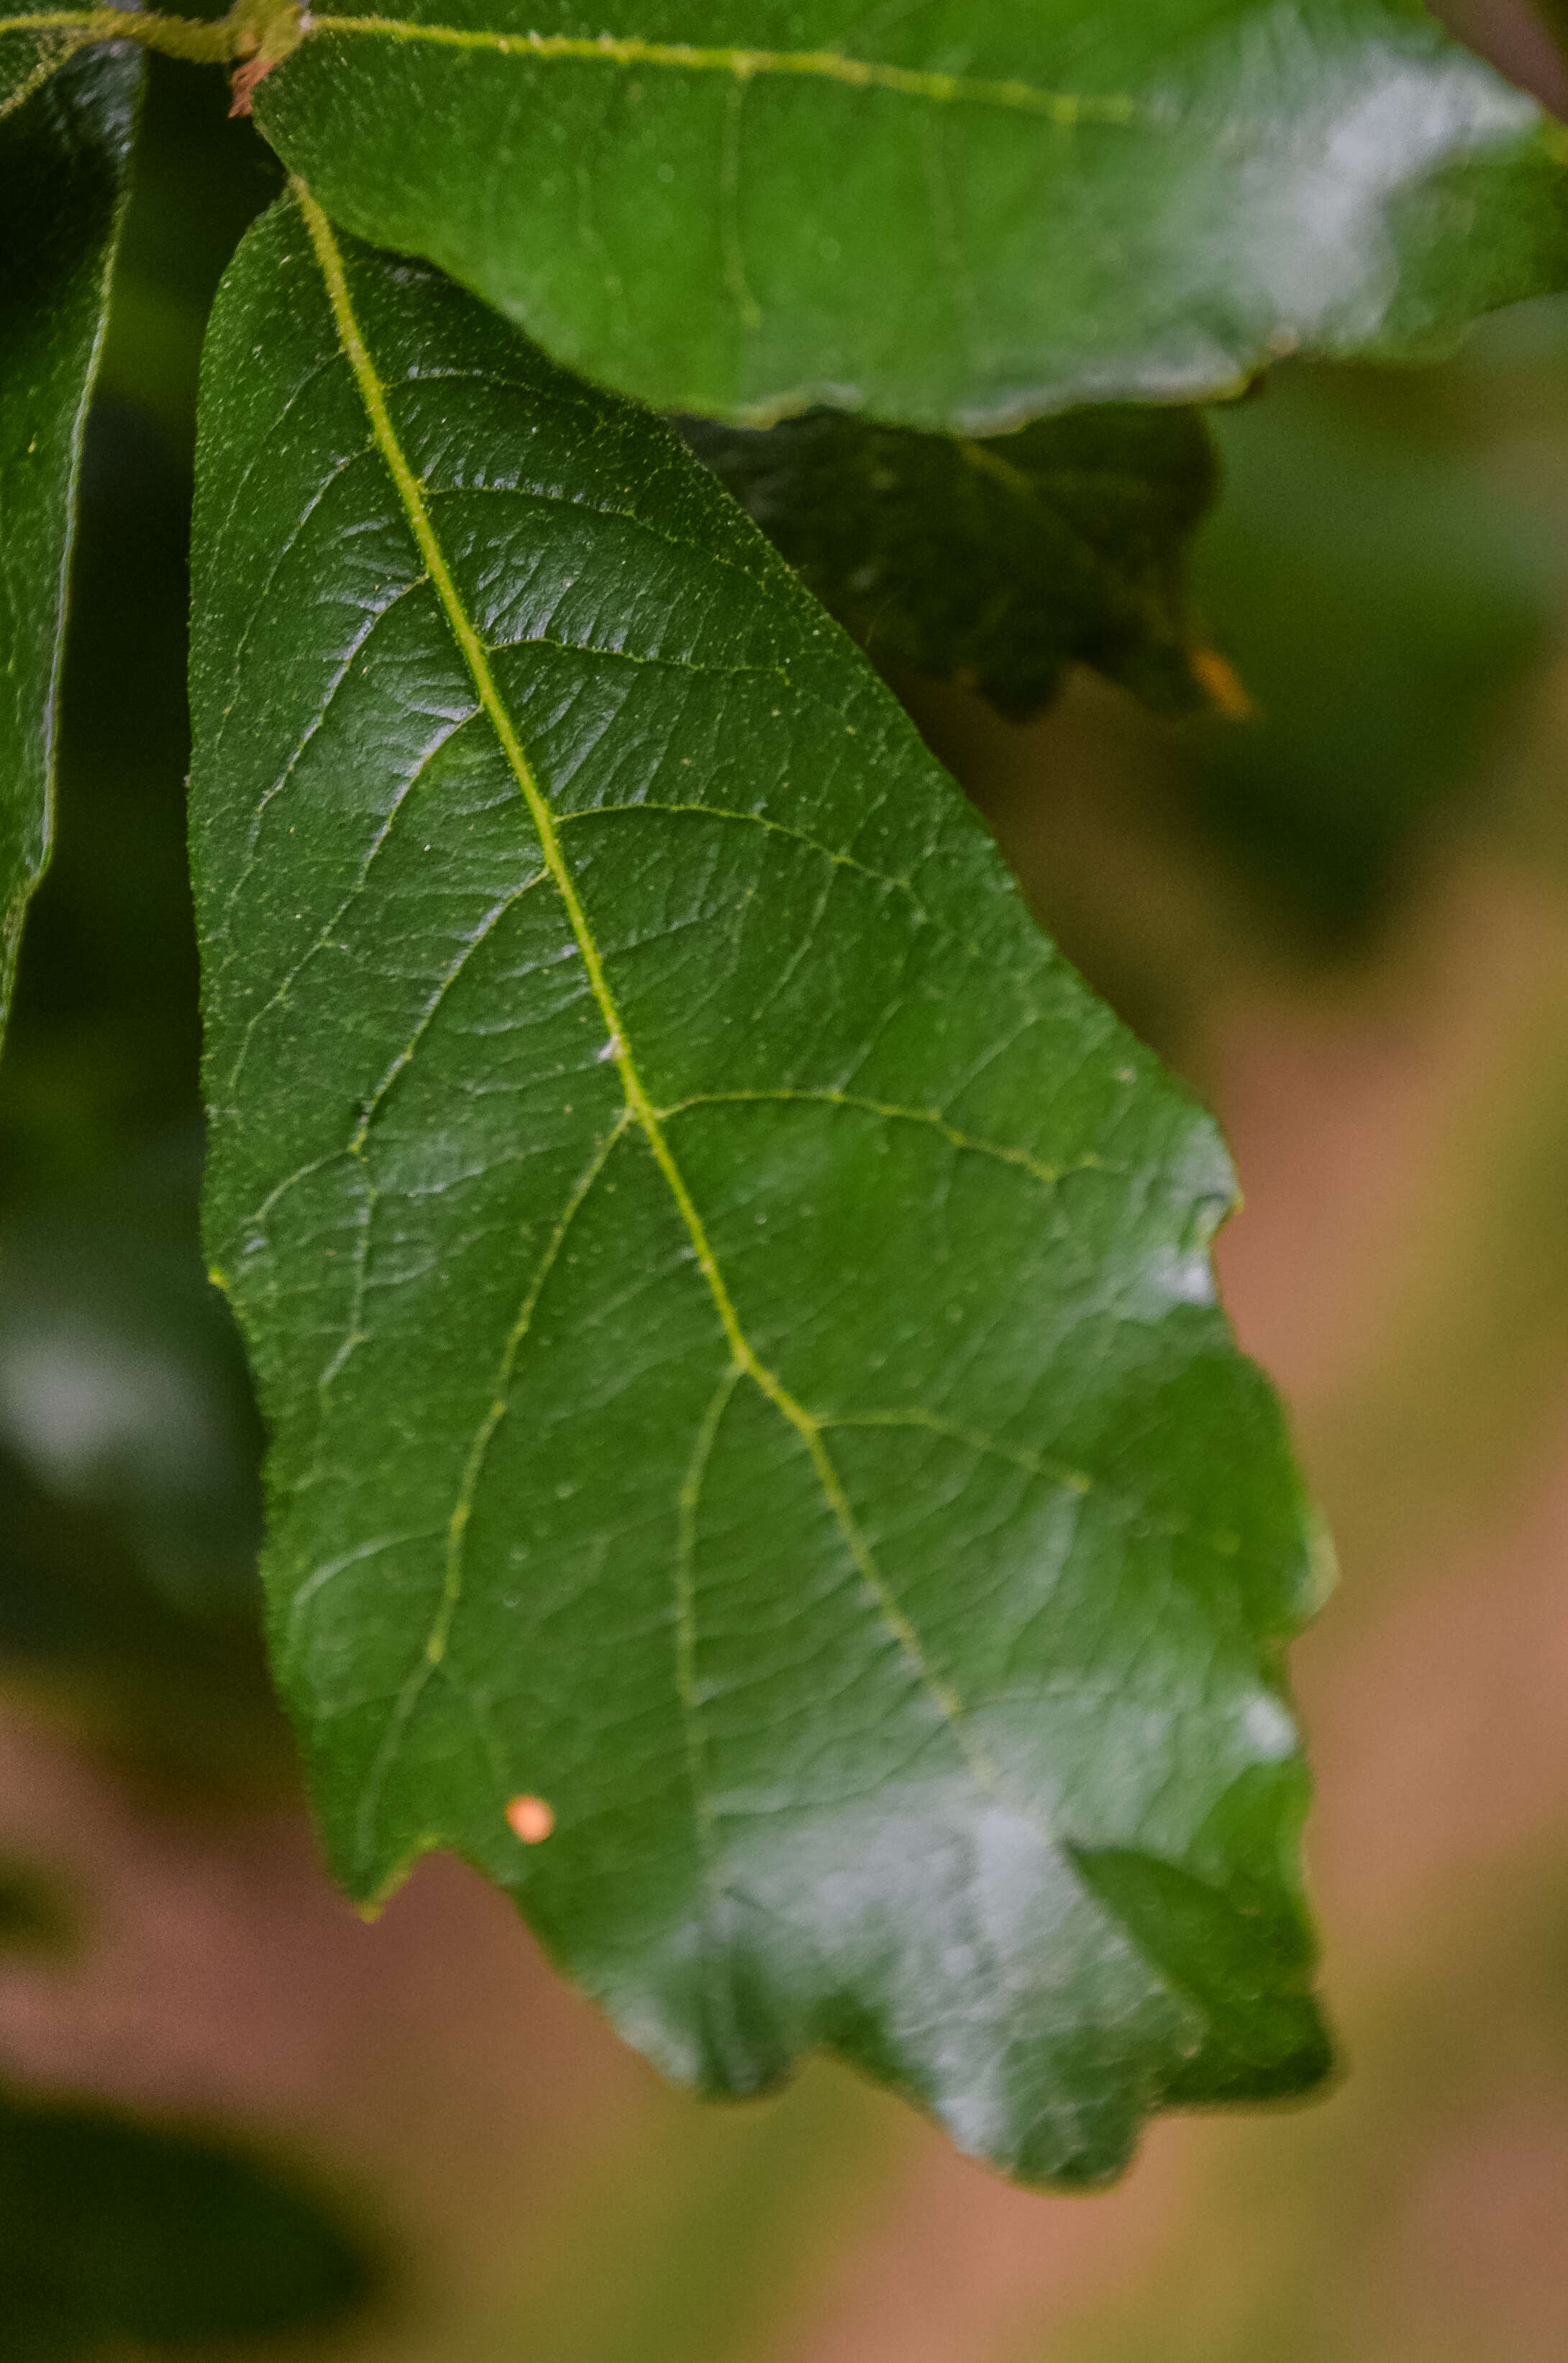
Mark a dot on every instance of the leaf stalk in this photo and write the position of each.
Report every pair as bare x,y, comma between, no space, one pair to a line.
251,31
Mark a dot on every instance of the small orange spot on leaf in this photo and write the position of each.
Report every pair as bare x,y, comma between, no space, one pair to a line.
531,1819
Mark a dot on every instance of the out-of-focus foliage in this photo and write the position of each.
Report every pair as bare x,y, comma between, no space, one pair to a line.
996,561
32,1913
128,1438
123,1391
65,129
130,1451
102,1054
112,2232
1379,598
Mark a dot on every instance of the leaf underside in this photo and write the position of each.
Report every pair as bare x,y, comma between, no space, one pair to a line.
997,562
65,131
956,214
733,1310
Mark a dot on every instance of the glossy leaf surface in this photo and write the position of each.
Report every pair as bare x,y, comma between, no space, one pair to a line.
957,213
998,561
65,127
733,1312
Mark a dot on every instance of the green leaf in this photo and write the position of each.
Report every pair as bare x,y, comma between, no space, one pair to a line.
955,214
999,561
733,1310
112,2232
30,54
65,128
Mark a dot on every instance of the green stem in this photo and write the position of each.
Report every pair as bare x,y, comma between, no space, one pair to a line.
252,29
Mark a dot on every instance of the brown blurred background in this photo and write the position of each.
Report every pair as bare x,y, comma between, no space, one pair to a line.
1347,923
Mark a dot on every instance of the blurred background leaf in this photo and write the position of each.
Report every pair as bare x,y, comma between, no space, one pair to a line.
123,1389
32,1911
66,124
996,562
113,2232
1380,600
130,1442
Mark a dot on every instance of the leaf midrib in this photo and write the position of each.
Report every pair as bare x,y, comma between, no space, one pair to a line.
640,1110
1007,94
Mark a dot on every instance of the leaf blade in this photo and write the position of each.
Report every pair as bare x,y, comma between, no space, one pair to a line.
568,1178
966,219
31,52
65,131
